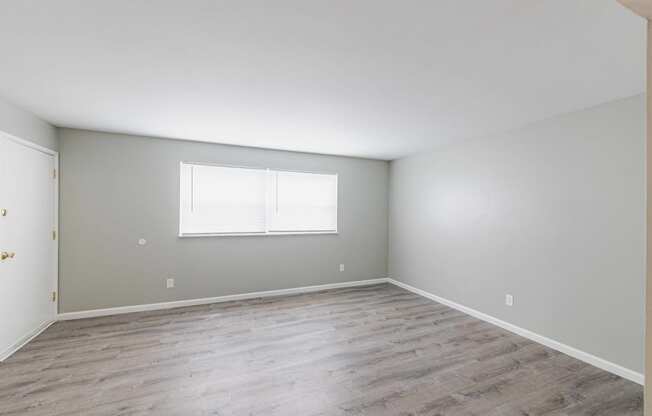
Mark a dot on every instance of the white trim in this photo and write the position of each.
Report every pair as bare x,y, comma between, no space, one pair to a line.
218,299
24,340
268,167
556,345
551,343
29,144
275,233
55,241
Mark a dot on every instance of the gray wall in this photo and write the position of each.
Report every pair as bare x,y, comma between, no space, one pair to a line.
116,189
27,126
553,213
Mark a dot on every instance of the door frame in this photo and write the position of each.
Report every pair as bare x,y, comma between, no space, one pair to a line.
55,155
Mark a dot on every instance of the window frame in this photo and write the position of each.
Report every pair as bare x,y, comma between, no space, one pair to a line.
266,233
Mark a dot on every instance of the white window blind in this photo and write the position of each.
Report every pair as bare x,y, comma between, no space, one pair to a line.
303,202
220,200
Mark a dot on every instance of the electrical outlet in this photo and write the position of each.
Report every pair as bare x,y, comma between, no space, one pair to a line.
509,300
341,267
169,283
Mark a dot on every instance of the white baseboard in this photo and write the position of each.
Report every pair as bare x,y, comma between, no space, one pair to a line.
558,346
551,343
24,340
204,301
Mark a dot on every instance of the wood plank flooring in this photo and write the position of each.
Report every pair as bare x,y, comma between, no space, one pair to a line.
374,350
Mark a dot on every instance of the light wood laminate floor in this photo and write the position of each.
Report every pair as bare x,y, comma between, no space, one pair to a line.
375,350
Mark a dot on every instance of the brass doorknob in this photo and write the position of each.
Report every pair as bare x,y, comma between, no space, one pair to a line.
4,255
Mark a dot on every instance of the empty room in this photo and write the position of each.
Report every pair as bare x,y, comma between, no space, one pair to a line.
325,208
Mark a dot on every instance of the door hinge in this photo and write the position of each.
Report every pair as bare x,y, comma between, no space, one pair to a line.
54,234
54,296
54,174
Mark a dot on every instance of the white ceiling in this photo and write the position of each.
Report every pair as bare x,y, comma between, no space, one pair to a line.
371,78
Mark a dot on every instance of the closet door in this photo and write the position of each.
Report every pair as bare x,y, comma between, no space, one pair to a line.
27,243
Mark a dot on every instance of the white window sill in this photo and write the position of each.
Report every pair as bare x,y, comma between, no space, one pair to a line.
269,234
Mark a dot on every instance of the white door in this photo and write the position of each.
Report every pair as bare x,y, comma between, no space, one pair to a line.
27,246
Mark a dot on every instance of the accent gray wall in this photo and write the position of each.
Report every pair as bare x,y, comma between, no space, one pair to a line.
116,189
27,126
553,213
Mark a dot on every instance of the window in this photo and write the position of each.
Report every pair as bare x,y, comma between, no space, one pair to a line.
222,200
